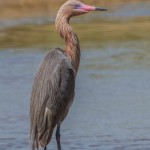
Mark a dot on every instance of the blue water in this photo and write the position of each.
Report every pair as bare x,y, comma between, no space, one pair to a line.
133,10
111,110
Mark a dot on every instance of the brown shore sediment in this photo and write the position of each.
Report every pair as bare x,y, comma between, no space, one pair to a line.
31,8
102,33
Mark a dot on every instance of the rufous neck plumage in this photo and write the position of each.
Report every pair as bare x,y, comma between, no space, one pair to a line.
72,48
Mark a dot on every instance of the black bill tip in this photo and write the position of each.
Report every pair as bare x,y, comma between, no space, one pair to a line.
100,9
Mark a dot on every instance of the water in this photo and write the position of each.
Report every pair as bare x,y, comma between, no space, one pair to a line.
111,106
131,10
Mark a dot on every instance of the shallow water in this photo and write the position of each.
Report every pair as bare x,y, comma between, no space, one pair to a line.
111,106
131,10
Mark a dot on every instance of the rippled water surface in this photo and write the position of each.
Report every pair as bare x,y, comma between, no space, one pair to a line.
110,110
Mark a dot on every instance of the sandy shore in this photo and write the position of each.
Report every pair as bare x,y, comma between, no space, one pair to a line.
31,8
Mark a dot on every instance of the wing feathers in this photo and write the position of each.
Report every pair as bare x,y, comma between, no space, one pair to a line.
45,128
52,94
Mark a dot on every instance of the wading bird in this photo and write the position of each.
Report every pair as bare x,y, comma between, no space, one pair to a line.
54,83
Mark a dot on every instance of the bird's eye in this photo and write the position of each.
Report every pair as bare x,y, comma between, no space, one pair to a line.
76,6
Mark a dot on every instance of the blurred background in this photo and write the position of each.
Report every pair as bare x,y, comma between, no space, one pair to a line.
112,104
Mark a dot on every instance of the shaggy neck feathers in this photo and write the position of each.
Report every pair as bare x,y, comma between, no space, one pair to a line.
72,48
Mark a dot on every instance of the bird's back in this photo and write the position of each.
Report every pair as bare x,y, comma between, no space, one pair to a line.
52,94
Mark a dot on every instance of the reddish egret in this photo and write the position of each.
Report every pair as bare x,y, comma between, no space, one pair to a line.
54,83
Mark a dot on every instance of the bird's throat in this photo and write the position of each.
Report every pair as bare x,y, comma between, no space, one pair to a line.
72,44
73,49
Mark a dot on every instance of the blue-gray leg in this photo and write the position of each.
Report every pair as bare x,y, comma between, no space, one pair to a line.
58,137
45,148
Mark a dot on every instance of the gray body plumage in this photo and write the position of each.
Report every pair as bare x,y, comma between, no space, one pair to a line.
52,94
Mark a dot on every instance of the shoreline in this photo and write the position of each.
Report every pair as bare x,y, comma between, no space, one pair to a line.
104,32
39,8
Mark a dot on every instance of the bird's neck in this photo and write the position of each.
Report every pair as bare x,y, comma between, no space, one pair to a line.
72,44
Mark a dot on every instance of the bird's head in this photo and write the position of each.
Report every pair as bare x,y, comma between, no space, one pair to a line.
75,8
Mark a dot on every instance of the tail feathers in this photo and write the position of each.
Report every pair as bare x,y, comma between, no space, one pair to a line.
34,139
45,138
43,131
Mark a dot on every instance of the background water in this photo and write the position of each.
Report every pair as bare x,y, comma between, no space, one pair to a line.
111,110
